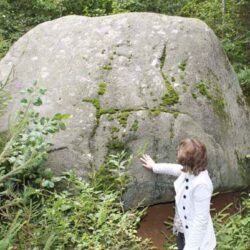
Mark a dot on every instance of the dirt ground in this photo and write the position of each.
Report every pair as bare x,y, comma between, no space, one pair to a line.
152,225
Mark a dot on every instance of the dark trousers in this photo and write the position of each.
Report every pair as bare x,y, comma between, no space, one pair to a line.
180,241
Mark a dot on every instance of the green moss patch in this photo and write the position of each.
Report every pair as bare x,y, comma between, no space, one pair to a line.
158,110
102,88
170,96
116,146
218,104
162,58
194,95
107,66
215,97
134,126
114,130
94,101
123,117
182,66
203,89
109,111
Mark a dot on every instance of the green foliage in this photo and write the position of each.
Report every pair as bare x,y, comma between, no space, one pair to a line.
116,145
107,66
244,78
27,147
102,88
4,95
231,25
182,66
96,103
81,216
170,96
134,126
112,175
228,24
201,86
11,233
123,117
214,96
233,231
84,217
194,95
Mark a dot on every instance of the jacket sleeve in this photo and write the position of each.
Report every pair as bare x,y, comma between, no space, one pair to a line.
167,168
202,196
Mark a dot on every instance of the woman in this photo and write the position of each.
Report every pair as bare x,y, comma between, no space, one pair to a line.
193,187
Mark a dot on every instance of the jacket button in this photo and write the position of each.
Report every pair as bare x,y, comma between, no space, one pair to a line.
184,207
186,227
187,180
184,196
185,217
186,187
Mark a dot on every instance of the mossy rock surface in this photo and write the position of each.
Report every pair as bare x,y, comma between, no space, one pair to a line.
133,79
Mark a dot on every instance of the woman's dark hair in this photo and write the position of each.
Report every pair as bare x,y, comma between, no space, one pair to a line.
192,155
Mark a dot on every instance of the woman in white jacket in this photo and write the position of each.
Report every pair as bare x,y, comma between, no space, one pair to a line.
192,224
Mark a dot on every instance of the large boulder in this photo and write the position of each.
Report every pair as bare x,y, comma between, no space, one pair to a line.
134,79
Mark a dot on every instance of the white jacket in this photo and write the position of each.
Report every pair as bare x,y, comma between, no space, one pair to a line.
193,194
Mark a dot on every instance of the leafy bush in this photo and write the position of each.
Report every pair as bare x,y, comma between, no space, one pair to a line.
244,78
82,217
27,145
112,175
227,24
233,231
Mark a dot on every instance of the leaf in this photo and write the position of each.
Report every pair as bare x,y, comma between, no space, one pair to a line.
24,100
65,207
30,90
59,116
12,159
37,101
34,83
42,91
48,184
62,126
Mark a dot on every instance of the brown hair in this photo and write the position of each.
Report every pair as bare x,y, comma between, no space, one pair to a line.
192,155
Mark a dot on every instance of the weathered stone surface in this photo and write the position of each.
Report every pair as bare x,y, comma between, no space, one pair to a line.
137,78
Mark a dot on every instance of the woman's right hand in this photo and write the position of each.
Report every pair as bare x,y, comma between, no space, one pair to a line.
147,161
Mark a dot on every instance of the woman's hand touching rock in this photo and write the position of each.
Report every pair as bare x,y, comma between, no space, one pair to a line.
147,161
